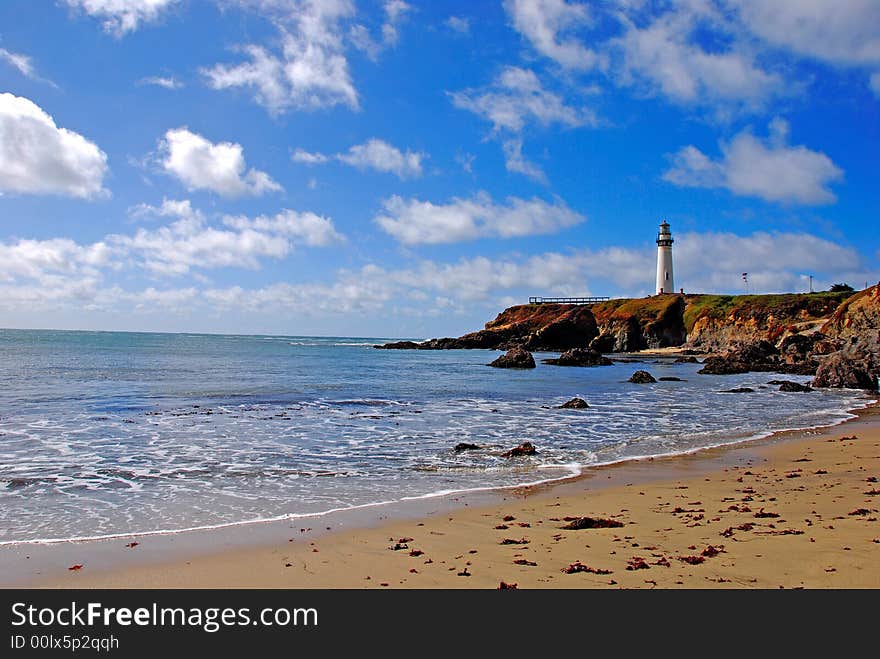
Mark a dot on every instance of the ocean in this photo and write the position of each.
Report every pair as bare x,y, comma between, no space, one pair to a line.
114,433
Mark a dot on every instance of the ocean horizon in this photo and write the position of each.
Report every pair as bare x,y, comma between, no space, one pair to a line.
128,433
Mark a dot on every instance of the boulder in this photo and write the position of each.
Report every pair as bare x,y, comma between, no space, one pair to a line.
642,377
525,448
515,358
399,345
794,386
739,390
580,357
686,360
575,404
845,371
464,446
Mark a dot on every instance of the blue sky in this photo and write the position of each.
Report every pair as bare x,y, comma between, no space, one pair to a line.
390,168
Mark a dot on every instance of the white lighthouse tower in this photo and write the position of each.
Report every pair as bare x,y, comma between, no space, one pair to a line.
665,280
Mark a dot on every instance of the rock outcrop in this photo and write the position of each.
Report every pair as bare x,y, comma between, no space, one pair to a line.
580,357
641,377
515,358
574,404
835,336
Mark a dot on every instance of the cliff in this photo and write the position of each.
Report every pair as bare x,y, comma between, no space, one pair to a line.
716,322
705,323
833,335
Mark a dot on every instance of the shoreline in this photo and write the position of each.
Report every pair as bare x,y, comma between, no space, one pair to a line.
229,556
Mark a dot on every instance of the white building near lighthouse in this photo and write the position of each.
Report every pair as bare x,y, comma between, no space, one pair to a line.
665,279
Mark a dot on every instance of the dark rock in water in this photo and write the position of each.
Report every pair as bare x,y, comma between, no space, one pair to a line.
723,366
686,360
575,404
515,358
464,446
399,345
669,378
525,448
739,390
580,357
642,377
794,386
841,370
759,356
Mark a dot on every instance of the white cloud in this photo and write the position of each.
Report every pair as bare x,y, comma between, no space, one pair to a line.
18,61
309,158
516,97
190,242
122,16
306,228
839,31
42,260
516,162
543,23
38,157
459,24
665,58
362,39
769,169
714,262
168,82
373,154
312,71
381,156
421,222
204,165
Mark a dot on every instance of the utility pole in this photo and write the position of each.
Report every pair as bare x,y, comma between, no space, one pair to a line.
746,280
811,283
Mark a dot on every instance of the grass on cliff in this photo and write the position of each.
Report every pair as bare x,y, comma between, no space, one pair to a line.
791,307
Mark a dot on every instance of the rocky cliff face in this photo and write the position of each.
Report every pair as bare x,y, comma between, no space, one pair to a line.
716,323
801,329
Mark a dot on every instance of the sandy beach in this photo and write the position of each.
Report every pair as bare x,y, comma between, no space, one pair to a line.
797,510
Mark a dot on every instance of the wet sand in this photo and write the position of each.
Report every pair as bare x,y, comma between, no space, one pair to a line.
798,510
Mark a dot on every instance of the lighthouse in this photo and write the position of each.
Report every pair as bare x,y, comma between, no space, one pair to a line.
665,281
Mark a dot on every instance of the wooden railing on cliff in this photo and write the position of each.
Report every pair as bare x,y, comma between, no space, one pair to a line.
567,300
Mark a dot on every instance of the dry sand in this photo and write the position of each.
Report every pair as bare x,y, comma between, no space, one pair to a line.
798,510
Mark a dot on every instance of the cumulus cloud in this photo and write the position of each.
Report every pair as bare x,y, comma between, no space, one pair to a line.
545,22
412,221
122,16
665,57
360,36
714,262
191,242
309,158
312,70
38,157
768,169
515,161
203,165
517,97
514,100
840,32
373,154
